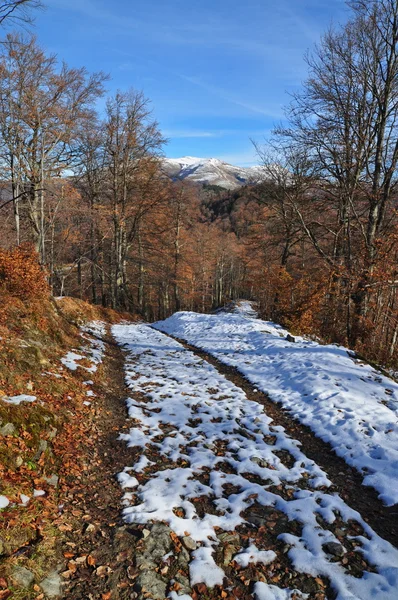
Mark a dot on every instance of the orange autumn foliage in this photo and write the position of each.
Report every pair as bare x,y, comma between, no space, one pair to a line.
21,275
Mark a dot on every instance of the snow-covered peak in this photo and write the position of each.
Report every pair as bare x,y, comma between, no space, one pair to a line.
212,171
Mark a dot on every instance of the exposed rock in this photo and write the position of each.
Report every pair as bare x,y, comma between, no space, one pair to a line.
152,585
339,532
230,537
290,338
18,462
309,586
267,516
51,585
7,429
184,583
23,577
53,433
183,557
156,545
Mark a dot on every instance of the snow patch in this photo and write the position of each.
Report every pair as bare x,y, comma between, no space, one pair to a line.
18,399
4,502
252,555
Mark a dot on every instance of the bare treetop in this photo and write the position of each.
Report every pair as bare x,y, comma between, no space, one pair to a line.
17,10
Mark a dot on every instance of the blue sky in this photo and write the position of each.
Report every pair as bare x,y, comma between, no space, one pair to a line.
218,72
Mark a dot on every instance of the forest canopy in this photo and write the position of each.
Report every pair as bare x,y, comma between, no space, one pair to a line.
315,243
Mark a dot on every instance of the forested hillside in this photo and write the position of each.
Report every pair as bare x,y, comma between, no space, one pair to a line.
315,243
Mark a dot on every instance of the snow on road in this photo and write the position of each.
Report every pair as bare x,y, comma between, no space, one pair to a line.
346,403
211,461
92,349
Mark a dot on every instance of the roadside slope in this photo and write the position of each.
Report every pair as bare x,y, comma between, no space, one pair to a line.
50,355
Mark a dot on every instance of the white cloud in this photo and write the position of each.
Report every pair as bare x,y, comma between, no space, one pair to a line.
174,134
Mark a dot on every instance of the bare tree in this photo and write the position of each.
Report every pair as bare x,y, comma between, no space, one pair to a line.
132,145
41,109
17,11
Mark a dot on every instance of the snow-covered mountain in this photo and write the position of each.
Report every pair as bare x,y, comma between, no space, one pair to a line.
212,171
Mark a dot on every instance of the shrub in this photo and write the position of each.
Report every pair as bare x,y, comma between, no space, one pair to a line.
21,275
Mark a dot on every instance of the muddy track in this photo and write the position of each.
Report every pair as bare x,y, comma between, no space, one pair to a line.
348,481
99,547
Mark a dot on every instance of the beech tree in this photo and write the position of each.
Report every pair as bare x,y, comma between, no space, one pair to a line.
343,126
41,109
132,145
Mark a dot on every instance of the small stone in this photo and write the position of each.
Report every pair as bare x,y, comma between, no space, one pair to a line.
146,533
43,445
290,338
23,577
51,585
53,480
339,532
259,461
334,548
189,543
18,461
53,432
7,429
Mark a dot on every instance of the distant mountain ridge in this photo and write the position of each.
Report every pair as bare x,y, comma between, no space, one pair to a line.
212,171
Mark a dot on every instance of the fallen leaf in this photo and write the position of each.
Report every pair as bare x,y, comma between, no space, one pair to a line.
102,571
